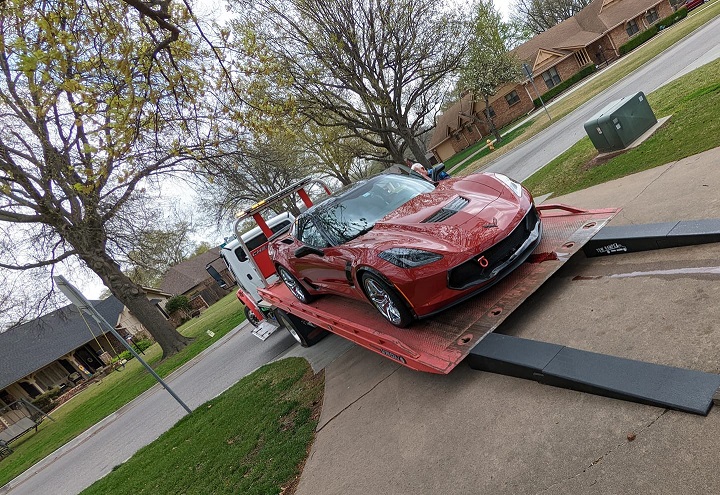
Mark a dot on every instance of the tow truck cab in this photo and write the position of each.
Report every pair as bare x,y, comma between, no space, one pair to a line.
246,273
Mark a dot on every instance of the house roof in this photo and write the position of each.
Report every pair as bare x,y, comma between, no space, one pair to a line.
33,345
184,276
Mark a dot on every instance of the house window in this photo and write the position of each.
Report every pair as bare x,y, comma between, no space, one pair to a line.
490,112
512,98
632,28
652,15
551,77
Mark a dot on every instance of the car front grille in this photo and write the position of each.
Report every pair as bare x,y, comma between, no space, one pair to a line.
471,273
448,210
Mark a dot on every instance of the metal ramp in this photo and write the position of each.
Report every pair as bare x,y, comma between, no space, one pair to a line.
631,238
560,366
600,374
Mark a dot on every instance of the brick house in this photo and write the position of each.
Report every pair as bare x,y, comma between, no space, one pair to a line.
592,37
191,279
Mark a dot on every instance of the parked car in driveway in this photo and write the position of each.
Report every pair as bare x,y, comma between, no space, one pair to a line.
407,245
691,4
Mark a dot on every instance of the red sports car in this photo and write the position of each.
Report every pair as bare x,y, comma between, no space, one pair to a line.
407,245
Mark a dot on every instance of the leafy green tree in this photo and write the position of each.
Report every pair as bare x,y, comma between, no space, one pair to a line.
96,103
375,69
489,64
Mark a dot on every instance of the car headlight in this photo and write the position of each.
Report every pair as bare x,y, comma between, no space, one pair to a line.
511,184
409,258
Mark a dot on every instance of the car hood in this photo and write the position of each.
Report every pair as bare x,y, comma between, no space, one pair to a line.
472,212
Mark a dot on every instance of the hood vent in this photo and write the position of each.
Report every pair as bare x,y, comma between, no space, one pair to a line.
448,210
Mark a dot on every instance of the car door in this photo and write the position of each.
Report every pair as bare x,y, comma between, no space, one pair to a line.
327,272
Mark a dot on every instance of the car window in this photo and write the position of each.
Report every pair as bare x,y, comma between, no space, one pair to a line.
355,212
310,235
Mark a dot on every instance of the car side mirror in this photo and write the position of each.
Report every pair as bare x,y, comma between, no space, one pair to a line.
305,250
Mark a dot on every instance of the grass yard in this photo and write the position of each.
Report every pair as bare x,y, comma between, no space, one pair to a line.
608,77
253,439
103,398
694,103
483,150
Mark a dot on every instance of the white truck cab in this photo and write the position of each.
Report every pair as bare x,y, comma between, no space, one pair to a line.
246,274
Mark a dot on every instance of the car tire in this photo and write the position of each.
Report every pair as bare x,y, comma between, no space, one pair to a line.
305,333
293,284
250,316
386,300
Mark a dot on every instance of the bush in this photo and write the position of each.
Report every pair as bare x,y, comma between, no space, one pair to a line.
652,31
140,346
638,40
46,402
554,91
177,302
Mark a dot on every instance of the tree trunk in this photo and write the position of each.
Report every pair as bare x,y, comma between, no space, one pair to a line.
135,299
490,121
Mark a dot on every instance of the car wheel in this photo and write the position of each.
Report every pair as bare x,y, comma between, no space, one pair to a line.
305,333
294,285
386,300
250,316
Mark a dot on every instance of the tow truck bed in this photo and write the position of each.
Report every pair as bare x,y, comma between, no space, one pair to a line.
439,343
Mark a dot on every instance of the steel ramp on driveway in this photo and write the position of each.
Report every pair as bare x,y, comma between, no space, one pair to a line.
619,378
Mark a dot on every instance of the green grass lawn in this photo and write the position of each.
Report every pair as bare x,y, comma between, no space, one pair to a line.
483,151
608,77
693,101
117,389
253,439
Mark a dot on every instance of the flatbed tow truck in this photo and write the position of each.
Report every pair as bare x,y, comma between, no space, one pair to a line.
438,344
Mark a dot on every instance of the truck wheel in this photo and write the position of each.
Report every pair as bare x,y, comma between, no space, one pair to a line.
386,300
303,331
250,316
294,285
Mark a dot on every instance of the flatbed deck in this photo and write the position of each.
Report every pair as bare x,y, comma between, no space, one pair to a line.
440,343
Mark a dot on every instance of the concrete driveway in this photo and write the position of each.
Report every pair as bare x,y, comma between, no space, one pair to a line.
388,430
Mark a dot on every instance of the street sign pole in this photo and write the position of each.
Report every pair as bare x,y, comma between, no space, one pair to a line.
528,72
83,305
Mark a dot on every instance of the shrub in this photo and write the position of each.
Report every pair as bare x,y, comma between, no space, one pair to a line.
177,302
555,90
46,402
638,40
140,346
652,31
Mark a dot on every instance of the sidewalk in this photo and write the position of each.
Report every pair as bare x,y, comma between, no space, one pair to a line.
386,429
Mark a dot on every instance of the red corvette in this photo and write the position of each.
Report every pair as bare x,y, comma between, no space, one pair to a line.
410,247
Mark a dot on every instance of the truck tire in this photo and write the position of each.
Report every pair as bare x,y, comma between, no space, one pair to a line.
250,316
304,332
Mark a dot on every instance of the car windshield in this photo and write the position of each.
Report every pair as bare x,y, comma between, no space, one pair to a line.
355,212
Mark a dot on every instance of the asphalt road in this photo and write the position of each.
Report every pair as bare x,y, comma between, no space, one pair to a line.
695,50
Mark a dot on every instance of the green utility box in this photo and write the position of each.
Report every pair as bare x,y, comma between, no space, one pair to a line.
620,123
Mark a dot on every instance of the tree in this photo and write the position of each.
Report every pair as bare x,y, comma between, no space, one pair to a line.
489,64
236,181
374,68
94,106
537,16
158,249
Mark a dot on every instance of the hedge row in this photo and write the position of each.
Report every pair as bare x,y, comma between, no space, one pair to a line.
653,30
555,90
